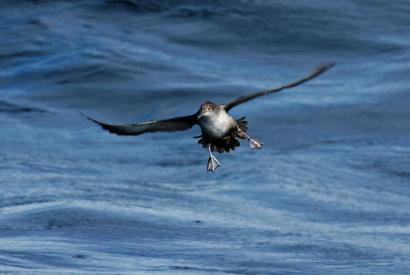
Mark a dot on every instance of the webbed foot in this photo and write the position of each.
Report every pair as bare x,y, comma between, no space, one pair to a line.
213,164
255,143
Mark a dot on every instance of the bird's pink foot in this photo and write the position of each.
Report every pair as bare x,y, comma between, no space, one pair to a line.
255,143
213,164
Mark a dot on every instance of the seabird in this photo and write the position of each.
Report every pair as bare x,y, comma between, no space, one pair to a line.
219,131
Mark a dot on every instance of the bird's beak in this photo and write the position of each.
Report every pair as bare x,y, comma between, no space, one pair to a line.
203,114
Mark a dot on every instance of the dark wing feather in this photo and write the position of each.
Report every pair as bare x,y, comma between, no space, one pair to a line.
167,125
316,72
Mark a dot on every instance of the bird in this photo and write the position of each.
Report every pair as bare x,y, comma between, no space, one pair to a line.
219,130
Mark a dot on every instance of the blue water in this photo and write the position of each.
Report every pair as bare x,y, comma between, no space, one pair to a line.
328,194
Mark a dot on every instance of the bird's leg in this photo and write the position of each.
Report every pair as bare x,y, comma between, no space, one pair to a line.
213,163
254,143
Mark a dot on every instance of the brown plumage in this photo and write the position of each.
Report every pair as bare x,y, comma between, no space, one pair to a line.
220,131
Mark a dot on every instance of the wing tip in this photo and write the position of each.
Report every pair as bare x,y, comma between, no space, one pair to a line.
91,119
325,66
84,115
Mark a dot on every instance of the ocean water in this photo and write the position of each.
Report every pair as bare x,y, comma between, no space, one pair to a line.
328,194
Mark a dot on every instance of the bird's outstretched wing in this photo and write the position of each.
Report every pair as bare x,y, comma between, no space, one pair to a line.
167,125
316,72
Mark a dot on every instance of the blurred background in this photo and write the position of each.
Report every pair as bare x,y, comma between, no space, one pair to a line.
328,194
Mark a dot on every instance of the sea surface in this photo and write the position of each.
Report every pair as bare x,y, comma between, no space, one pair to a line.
328,194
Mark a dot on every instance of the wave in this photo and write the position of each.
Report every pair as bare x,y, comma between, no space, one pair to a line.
7,107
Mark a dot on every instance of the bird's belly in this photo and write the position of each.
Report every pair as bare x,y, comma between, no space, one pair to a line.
216,129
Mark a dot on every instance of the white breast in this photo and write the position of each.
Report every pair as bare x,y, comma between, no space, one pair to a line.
216,126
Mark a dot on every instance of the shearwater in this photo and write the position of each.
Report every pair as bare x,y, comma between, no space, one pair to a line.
219,130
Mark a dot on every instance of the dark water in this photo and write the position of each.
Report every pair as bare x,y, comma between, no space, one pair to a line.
328,194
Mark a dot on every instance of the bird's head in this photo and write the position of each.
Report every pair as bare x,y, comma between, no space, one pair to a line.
208,109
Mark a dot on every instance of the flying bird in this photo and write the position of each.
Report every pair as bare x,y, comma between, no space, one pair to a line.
219,130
